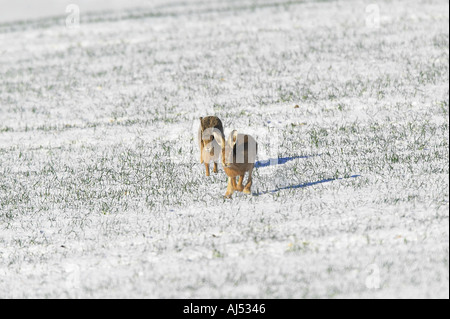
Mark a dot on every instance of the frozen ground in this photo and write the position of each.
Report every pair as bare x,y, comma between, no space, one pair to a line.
101,192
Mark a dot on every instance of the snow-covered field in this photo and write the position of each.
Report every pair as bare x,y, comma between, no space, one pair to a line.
102,194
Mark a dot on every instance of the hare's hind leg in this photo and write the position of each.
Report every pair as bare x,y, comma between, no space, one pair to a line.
207,168
215,167
231,187
248,186
201,151
239,186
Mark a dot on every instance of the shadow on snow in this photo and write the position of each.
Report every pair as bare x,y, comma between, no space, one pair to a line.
278,161
283,160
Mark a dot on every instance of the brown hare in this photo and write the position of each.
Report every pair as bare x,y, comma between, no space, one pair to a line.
238,157
209,147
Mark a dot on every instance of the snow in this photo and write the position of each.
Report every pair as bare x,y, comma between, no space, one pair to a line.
101,191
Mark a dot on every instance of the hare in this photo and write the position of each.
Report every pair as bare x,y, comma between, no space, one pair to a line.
209,148
238,157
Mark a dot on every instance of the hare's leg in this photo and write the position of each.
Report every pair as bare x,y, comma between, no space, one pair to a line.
207,168
230,188
247,189
233,183
201,153
215,167
239,187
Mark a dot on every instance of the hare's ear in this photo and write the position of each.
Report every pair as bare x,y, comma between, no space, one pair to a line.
233,137
219,138
201,123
